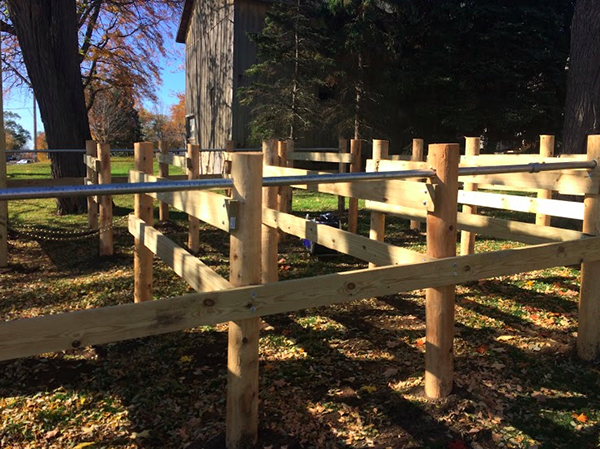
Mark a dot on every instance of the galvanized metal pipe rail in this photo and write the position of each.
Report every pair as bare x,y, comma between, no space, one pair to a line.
331,178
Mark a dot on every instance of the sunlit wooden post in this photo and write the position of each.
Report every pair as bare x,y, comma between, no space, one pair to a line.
377,231
467,238
105,202
245,260
441,243
193,172
163,171
91,149
143,209
343,147
546,150
588,333
3,181
355,150
418,155
285,192
290,146
269,234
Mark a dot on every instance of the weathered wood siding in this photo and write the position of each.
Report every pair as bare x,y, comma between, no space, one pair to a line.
249,18
209,71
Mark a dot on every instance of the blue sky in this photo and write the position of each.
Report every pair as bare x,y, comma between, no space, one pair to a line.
173,77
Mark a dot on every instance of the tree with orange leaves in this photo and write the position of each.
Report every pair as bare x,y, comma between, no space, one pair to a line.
68,51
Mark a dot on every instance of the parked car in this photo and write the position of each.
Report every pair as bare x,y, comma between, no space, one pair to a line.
23,161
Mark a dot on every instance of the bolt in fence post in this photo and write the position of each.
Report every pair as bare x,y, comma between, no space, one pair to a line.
355,149
377,231
105,202
143,209
343,147
245,259
467,238
418,155
269,234
193,172
441,243
588,333
92,178
163,171
546,150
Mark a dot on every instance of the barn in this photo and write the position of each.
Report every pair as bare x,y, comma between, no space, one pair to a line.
218,52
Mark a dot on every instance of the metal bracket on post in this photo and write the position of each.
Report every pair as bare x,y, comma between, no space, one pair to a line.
232,207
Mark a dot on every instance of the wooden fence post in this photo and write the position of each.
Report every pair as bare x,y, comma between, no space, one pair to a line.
193,172
343,146
588,333
290,146
245,259
143,209
467,239
418,155
377,232
269,234
285,192
163,171
105,202
546,150
441,243
91,149
355,150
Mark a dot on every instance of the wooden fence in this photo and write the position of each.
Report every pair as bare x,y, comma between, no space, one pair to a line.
242,299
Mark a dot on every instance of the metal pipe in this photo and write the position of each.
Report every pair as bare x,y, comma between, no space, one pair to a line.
26,193
534,167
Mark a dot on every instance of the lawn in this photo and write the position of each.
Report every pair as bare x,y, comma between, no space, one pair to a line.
349,375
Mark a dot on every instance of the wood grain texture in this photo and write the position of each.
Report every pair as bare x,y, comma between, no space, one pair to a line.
467,238
163,172
193,172
377,229
199,276
91,178
206,206
343,241
355,167
546,151
143,209
418,155
339,158
439,301
245,259
342,168
27,337
177,161
588,332
105,203
269,267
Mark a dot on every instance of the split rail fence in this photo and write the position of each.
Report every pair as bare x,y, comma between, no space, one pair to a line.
251,216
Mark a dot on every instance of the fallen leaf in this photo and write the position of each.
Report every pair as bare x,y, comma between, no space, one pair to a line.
52,433
482,349
82,445
420,341
581,417
390,372
505,337
457,444
368,389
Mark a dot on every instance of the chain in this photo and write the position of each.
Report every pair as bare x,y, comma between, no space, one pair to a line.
49,235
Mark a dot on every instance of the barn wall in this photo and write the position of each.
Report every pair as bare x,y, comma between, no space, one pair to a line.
209,71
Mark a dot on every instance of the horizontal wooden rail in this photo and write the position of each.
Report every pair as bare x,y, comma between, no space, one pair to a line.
199,276
176,161
513,159
345,242
28,337
409,193
488,226
314,156
556,208
205,206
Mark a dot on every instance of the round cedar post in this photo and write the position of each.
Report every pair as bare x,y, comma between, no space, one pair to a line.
467,239
227,155
269,234
377,231
143,209
92,178
290,146
105,202
355,147
546,150
441,243
418,155
245,259
163,171
588,333
343,147
193,172
284,191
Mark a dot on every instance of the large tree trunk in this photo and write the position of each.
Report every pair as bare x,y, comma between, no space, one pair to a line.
47,33
582,106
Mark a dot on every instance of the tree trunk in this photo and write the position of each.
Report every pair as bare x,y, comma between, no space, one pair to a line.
47,34
582,105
